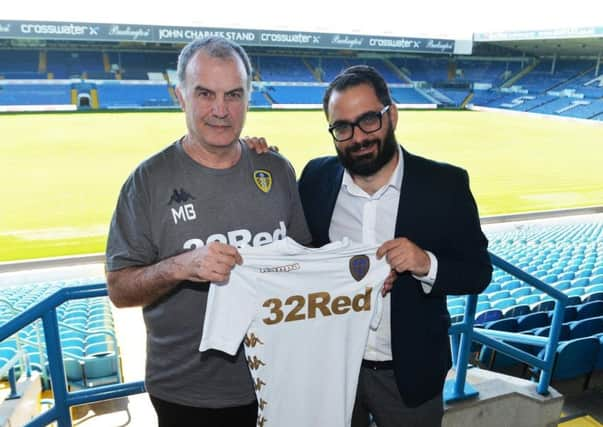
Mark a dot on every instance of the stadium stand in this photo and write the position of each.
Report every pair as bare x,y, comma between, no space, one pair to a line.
566,87
35,92
131,94
90,349
567,256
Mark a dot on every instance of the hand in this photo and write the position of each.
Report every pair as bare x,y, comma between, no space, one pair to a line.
211,263
259,144
403,255
388,284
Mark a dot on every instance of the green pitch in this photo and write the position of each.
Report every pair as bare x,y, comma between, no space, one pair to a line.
61,173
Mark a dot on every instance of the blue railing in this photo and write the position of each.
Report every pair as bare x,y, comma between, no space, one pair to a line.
462,333
64,399
494,339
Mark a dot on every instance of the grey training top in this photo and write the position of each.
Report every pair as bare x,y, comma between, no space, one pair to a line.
171,204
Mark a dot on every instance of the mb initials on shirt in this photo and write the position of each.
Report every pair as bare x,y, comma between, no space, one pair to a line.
317,303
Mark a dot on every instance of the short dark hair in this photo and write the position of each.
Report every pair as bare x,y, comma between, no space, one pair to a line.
354,76
216,47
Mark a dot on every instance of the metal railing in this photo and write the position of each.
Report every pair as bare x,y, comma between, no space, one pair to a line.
497,340
64,399
462,333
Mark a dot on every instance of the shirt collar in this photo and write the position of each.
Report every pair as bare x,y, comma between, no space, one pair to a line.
395,181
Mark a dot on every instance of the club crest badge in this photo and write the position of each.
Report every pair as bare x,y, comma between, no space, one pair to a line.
359,266
263,180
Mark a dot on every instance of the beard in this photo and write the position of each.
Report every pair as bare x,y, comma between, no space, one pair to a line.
368,164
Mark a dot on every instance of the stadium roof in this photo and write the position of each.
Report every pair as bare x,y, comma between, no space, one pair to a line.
587,41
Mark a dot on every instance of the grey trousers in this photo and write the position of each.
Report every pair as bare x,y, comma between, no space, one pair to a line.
378,396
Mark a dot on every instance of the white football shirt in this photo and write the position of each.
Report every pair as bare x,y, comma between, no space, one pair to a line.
304,316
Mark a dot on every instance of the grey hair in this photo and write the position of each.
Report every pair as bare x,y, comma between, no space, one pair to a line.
216,47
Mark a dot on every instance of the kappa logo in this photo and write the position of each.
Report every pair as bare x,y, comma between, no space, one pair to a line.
254,363
251,340
281,268
180,196
263,180
259,384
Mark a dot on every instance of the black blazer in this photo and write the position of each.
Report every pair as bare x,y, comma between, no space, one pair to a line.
438,213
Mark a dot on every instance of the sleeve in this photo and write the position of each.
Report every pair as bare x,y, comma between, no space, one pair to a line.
297,228
464,265
129,242
230,310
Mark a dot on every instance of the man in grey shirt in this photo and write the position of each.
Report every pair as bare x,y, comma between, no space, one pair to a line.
180,217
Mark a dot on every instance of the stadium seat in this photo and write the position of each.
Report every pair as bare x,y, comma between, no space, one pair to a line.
546,305
586,327
528,299
595,296
575,358
494,296
453,311
481,306
564,332
574,300
517,310
532,320
562,285
574,291
487,316
456,302
510,285
569,314
590,309
101,370
566,276
580,282
521,292
504,303
596,280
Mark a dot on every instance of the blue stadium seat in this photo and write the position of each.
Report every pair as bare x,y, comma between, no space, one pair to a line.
566,276
562,285
586,327
487,316
574,300
595,296
545,305
482,306
574,291
575,358
590,309
504,303
580,282
533,320
521,292
528,299
517,310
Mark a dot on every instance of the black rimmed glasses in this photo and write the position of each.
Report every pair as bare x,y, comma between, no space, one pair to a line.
368,123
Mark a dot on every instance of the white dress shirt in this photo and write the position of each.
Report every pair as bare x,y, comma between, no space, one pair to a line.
371,219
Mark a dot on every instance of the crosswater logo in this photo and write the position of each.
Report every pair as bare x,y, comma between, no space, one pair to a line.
281,268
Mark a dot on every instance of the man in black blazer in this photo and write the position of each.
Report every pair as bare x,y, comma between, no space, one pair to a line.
423,215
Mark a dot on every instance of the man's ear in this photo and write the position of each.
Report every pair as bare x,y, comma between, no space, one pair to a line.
393,115
180,97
